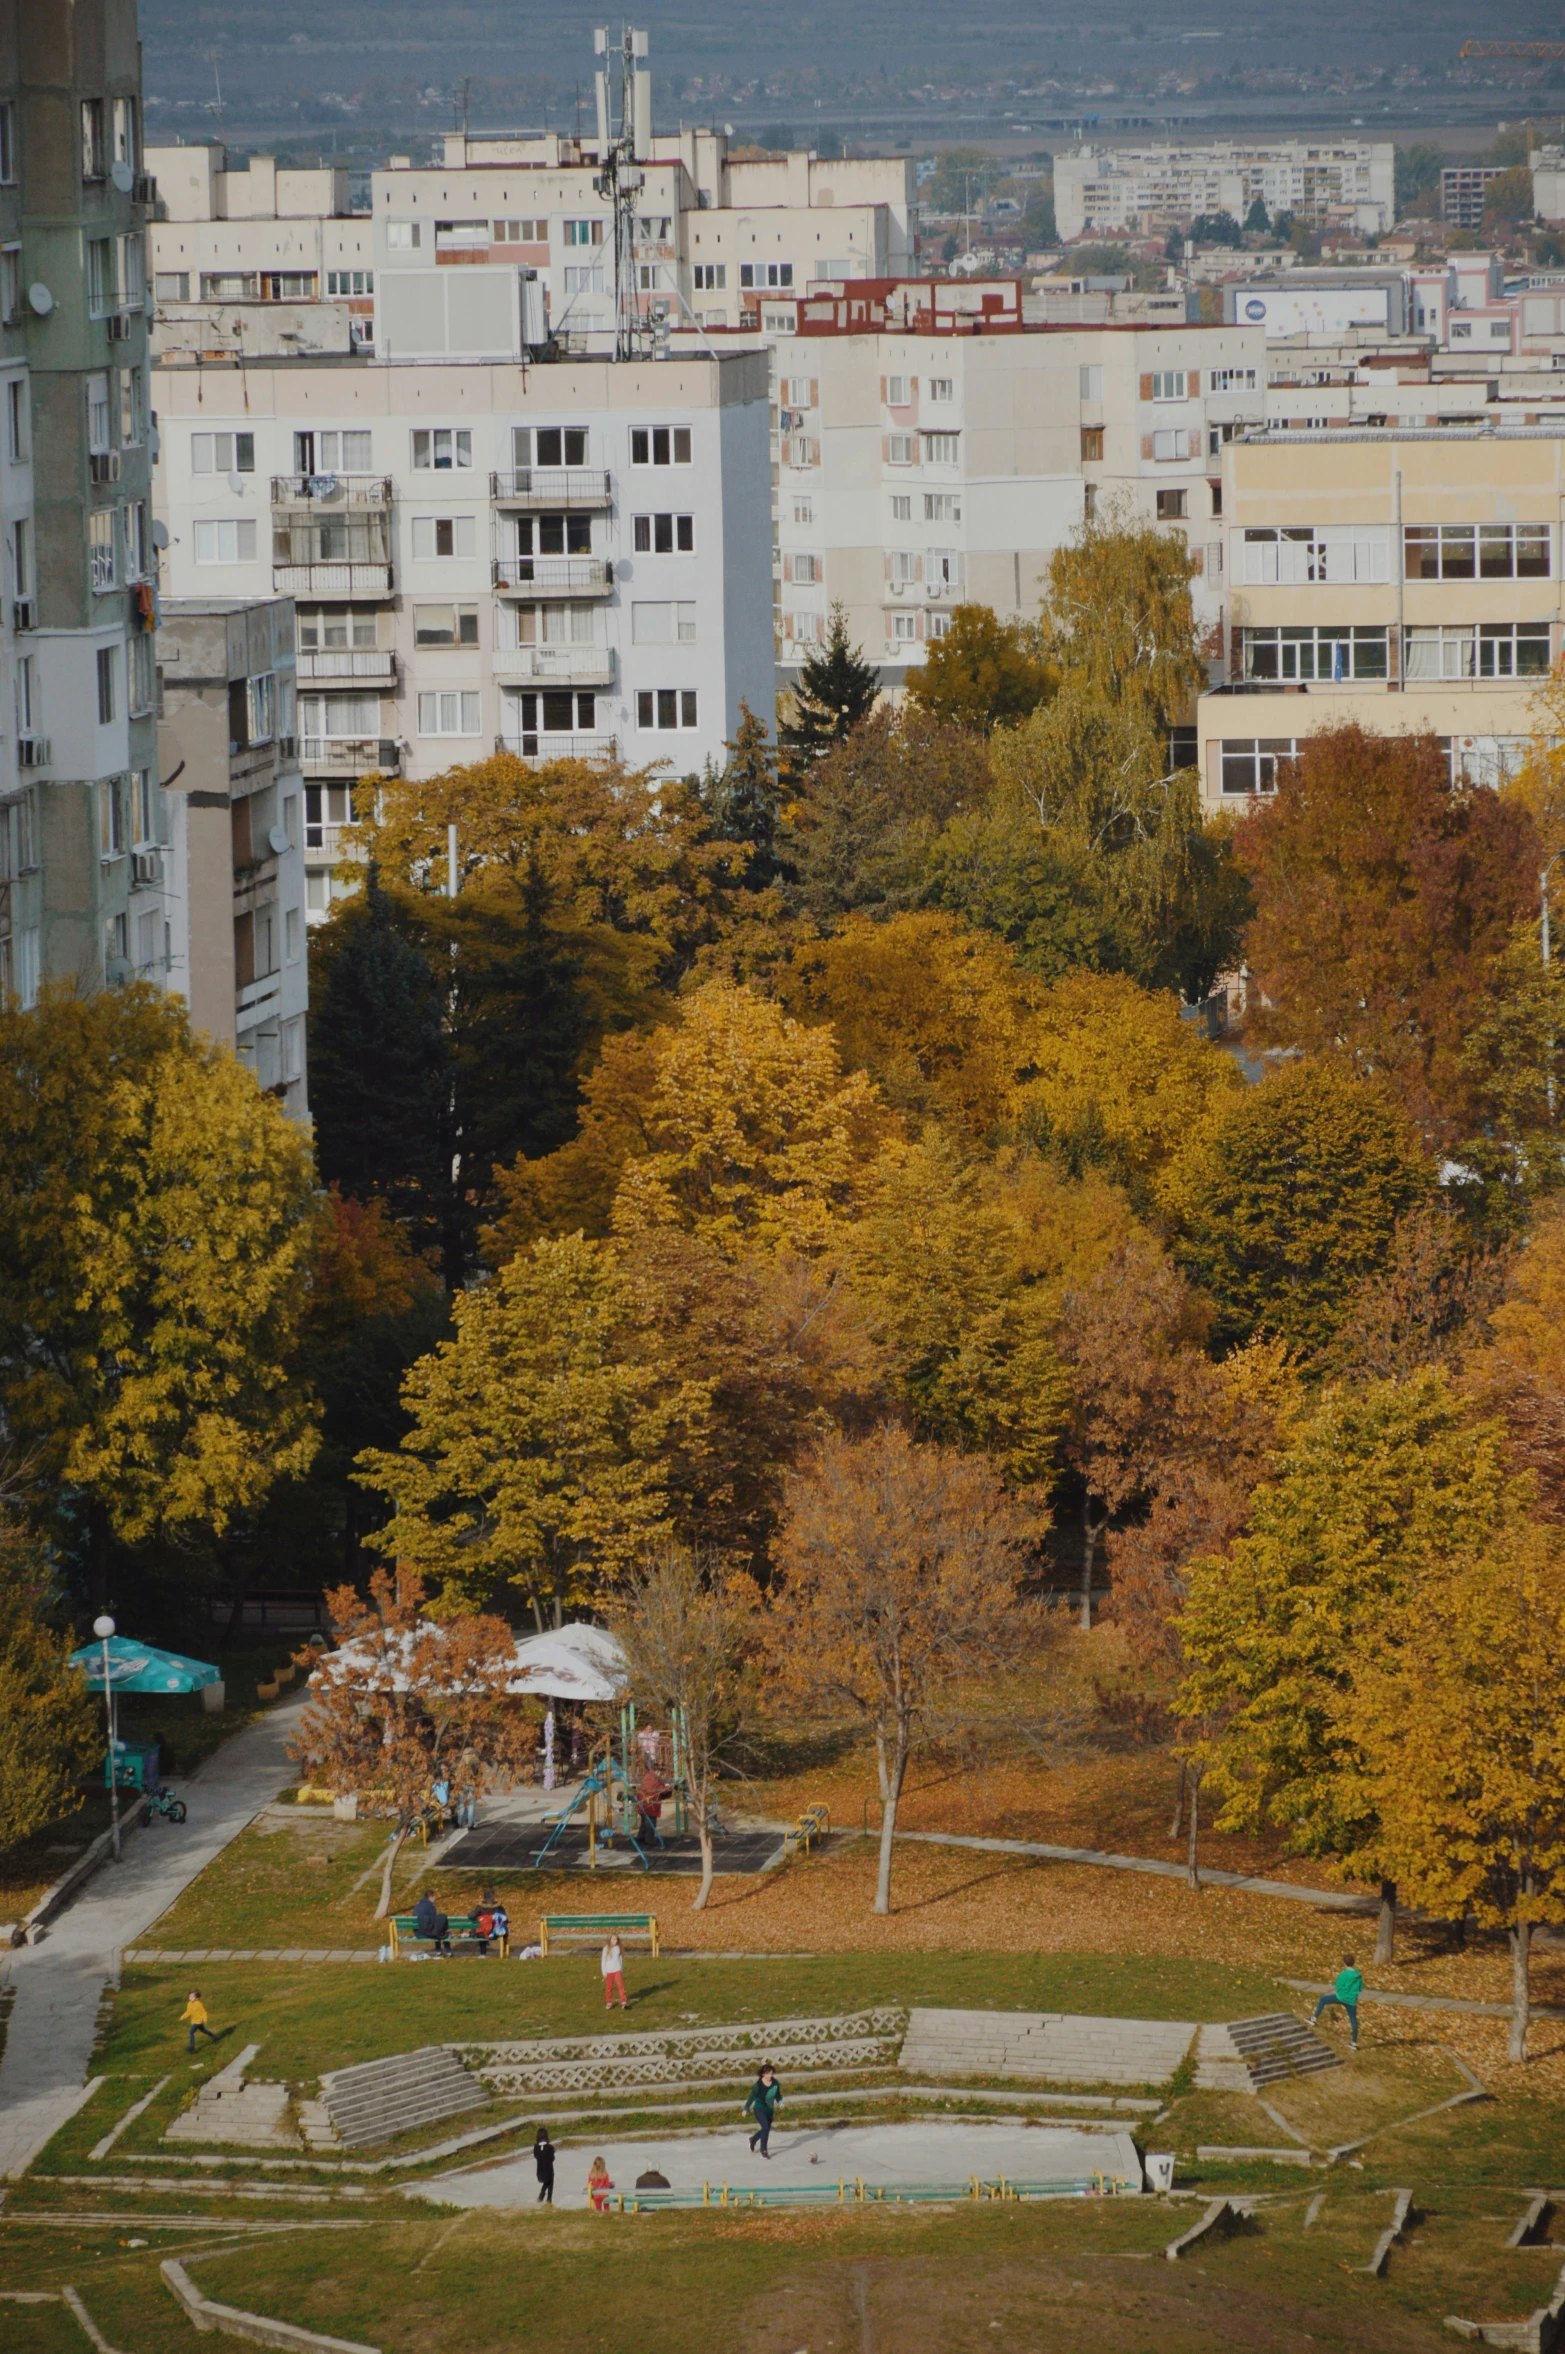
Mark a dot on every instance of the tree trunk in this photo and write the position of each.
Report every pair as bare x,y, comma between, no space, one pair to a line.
1521,1989
1192,1852
888,1824
1386,1926
704,1834
1091,1530
1178,1823
392,1853
880,1765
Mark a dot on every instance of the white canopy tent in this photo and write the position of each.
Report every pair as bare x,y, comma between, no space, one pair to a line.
576,1662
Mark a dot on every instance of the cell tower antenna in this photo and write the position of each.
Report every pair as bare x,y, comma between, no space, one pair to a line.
624,95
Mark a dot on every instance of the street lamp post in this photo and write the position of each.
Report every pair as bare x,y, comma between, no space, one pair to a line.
103,1628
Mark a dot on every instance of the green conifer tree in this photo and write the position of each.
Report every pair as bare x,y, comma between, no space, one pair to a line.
837,688
743,800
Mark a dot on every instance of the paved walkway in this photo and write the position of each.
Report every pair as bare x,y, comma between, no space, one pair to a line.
1430,2002
59,1985
1338,1900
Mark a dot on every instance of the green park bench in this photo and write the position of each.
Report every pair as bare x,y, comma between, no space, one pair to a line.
464,1926
557,1930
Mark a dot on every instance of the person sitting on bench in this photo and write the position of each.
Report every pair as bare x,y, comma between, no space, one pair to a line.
430,1922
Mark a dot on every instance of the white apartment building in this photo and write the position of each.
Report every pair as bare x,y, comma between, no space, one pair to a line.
1406,579
235,244
945,459
1143,191
560,560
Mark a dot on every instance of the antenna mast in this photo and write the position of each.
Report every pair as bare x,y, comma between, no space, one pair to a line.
624,93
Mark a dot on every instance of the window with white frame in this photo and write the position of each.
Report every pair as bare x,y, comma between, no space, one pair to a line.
1505,649
8,142
937,625
261,707
326,628
941,449
223,539
664,535
404,236
556,535
18,841
901,449
1476,551
942,506
582,232
333,452
131,271
99,413
101,550
100,276
291,930
1091,382
663,622
901,506
222,453
666,707
548,445
26,696
1173,447
1305,554
452,712
804,510
533,232
553,625
94,140
899,391
10,283
146,808
127,132
338,718
108,663
445,625
711,277
804,569
350,282
441,448
660,445
943,567
1231,380
584,278
16,406
942,388
111,818
798,392
901,567
138,556
171,285
444,535
133,407
228,285
904,628
766,276
22,556
147,926
1340,654
1248,764
1168,384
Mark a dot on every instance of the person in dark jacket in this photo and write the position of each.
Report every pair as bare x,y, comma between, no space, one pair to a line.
763,2103
543,2159
429,1921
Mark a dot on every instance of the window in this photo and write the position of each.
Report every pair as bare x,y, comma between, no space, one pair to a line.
554,535
1168,384
127,133
228,285
260,707
449,714
18,855
666,707
1500,650
1216,490
806,569
766,274
902,566
663,624
583,278
10,283
146,939
1091,443
146,812
338,719
225,541
554,625
901,449
660,445
445,625
403,236
1476,551
804,510
1172,447
445,535
133,407
937,625
100,277
583,232
222,453
291,945
800,392
1297,655
132,272
8,142
898,392
664,535
95,153
326,627
711,277
904,628
1249,763
942,388
98,414
1337,553
942,449
100,547
291,819
472,234
521,233
16,417
143,673
111,818
441,447
1091,383
26,697
114,939
106,666
350,282
22,556
332,453
1231,380
548,445
942,506
1171,506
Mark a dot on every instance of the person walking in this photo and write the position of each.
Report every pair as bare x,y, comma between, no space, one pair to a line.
612,1964
543,2160
467,1770
1345,1994
650,1795
763,2103
194,2016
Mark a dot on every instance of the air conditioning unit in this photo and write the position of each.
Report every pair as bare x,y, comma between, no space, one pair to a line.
145,190
104,465
24,614
119,326
287,747
144,866
32,752
389,755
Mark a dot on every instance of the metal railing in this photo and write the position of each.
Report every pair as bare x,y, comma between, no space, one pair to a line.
349,662
331,490
587,666
553,486
353,756
541,746
332,580
554,576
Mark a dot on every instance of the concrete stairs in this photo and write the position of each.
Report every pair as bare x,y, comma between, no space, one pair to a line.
381,2099
1247,2055
1053,2047
232,2107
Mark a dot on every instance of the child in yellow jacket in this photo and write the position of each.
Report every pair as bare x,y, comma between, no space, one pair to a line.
194,2015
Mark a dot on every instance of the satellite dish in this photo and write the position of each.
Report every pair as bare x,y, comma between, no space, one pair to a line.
277,839
40,299
236,483
123,177
160,536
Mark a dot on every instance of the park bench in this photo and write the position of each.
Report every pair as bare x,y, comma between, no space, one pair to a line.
464,1926
561,1930
813,1824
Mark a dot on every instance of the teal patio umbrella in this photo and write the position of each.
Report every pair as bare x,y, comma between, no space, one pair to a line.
117,1664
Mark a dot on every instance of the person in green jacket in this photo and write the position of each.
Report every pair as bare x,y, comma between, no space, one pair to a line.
1349,1986
765,2094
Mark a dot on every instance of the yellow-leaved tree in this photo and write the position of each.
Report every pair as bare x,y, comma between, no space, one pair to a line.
1462,1735
158,1224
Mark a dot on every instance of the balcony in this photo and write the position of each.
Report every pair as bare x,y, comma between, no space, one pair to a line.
350,756
573,747
552,486
576,666
553,576
336,493
332,580
345,662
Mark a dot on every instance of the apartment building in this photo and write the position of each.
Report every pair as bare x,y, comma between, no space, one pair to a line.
83,891
568,560
1129,191
233,248
1407,579
227,745
930,448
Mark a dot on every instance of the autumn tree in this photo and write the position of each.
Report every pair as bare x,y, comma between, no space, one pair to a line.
157,1225
401,1699
538,1435
1293,1199
837,688
865,816
983,674
743,800
1459,1726
1119,620
1385,893
1514,1366
687,1633
900,1568
1375,1488
1424,1303
49,1729
572,1189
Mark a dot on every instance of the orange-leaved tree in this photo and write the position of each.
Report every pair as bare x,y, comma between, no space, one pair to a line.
900,1568
402,1698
